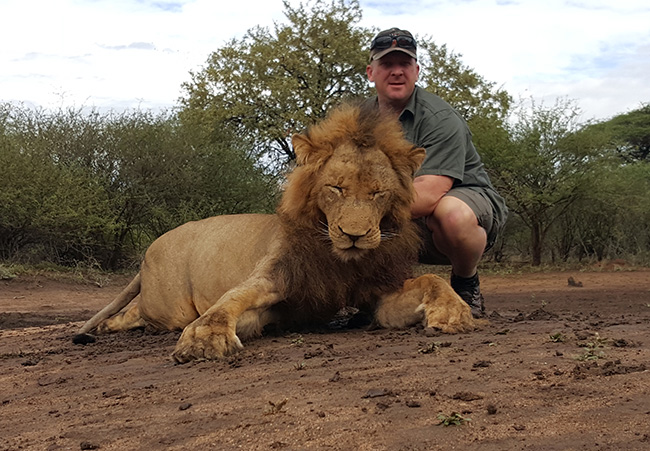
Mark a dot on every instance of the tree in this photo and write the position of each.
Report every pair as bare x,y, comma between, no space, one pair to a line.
547,166
611,219
48,210
159,174
269,85
443,73
80,185
630,134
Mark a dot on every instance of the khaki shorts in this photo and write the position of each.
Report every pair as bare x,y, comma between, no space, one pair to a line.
490,211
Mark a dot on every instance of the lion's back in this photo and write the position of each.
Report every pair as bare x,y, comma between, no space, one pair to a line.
200,260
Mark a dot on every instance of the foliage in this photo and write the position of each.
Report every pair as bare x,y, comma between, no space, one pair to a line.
82,185
271,84
548,165
443,73
614,218
78,185
47,206
630,134
592,350
454,419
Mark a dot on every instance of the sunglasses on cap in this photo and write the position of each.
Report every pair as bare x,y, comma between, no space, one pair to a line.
384,42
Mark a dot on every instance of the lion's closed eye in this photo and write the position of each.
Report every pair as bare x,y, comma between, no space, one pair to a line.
335,189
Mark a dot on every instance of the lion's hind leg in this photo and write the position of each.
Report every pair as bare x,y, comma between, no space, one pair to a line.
428,300
400,309
125,320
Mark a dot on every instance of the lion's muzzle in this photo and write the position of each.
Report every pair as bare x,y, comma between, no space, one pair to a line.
354,232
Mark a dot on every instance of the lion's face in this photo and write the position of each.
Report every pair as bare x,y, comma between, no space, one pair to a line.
355,192
353,178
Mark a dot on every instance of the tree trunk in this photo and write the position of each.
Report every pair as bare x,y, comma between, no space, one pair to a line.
536,243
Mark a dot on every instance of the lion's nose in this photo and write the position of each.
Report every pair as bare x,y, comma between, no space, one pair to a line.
354,236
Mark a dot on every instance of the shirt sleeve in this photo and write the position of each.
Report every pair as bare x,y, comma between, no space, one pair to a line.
444,138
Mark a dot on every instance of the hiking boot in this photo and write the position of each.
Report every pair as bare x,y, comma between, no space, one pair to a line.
469,289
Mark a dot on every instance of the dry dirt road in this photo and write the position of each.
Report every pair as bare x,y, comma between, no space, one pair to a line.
559,367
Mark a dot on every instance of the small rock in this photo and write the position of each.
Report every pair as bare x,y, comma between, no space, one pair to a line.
573,283
312,354
622,343
336,377
83,339
275,407
377,392
431,332
31,362
185,406
382,406
111,393
46,380
482,364
467,396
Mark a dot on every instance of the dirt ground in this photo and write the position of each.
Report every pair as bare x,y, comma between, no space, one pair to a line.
559,367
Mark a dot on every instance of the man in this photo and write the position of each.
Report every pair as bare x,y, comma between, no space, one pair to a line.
456,206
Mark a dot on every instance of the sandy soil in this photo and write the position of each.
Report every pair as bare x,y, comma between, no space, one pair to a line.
559,367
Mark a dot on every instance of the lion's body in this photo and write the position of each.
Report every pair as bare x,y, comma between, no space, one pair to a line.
342,237
182,275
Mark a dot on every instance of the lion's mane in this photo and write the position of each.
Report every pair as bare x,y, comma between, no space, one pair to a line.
315,281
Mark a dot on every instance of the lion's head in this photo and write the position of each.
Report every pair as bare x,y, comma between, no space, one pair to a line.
353,179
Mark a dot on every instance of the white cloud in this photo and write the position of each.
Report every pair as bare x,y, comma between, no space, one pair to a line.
129,53
585,50
115,54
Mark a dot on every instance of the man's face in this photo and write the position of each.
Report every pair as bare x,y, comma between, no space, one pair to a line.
394,77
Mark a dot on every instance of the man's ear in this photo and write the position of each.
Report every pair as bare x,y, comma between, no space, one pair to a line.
369,73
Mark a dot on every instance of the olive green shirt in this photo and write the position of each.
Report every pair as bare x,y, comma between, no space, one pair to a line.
431,123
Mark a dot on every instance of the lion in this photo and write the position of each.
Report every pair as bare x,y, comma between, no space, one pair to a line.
342,236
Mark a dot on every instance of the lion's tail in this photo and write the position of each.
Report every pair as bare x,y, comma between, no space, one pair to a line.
121,301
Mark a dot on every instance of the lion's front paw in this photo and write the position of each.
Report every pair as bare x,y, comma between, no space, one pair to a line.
200,341
451,316
443,308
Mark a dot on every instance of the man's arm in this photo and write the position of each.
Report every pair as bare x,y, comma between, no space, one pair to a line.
429,189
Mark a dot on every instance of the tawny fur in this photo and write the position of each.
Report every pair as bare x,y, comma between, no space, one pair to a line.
342,236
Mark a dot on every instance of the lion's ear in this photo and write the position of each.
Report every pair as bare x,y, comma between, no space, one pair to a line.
307,152
416,157
302,146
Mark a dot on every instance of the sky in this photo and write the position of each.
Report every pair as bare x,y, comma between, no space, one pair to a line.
124,54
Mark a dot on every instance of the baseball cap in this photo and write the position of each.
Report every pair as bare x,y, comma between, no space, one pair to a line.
392,40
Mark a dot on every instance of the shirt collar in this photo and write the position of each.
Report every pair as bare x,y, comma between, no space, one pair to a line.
410,106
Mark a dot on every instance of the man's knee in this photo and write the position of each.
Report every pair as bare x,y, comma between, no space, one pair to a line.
451,215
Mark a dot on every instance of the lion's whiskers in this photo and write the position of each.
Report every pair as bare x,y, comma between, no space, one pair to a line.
323,231
387,235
